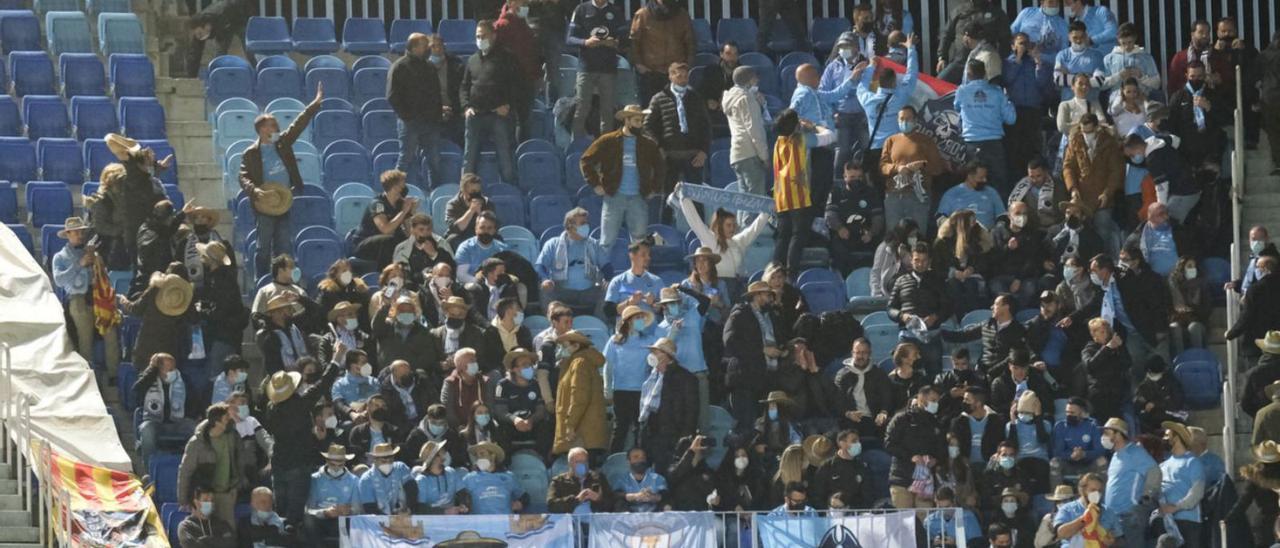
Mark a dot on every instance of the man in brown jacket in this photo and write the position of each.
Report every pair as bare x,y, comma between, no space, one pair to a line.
580,420
270,159
909,162
579,485
624,167
1093,169
661,34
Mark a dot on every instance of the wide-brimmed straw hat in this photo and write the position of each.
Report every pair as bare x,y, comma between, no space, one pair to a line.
337,452
274,201
515,354
1061,493
214,252
704,252
173,294
630,111
73,224
494,451
282,385
342,308
666,346
384,450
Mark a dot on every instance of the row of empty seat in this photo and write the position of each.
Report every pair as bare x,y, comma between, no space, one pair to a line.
69,32
79,74
360,35
278,76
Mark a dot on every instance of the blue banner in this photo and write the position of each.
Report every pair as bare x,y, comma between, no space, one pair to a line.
897,529
939,119
654,530
528,531
726,199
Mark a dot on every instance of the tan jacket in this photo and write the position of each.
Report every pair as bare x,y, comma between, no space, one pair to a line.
1096,176
657,43
601,163
580,404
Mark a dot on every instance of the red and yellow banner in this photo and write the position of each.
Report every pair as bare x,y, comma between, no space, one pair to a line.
94,506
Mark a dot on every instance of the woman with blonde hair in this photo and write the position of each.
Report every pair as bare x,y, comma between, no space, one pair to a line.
963,250
107,216
793,467
725,239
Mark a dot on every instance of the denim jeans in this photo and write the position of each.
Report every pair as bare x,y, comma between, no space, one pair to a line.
216,353
601,85
1179,333
275,237
1104,222
619,208
794,227
899,205
291,487
991,154
752,179
419,137
498,128
852,134
551,41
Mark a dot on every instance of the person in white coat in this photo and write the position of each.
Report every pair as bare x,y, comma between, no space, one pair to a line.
749,150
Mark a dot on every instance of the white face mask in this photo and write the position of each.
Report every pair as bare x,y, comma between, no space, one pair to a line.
1079,48
331,422
345,277
1256,246
1094,497
953,450
483,44
171,376
1108,443
1018,221
652,360
484,465
1190,273
846,53
740,463
351,324
1155,376
385,468
931,407
366,370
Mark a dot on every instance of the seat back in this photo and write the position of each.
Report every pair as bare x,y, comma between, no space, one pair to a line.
19,31
32,73
402,28
49,202
1201,383
368,84
142,118
46,116
82,74
378,126
60,160
67,31
267,35
312,35
364,36
17,161
132,75
459,36
332,125
858,284
740,30
337,82
276,82
348,211
120,33
823,296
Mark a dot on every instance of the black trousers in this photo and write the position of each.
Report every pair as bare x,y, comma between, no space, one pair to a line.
793,234
626,411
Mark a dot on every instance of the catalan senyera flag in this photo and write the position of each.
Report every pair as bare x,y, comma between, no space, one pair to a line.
96,506
1095,536
105,313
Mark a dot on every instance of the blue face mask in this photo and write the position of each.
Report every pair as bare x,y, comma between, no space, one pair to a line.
637,324
482,420
1139,158
773,413
435,59
523,11
296,274
908,127
405,318
673,311
436,430
242,410
583,230
527,373
1006,462
580,469
206,507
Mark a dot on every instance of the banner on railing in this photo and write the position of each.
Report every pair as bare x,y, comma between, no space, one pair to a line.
532,530
655,530
96,506
897,529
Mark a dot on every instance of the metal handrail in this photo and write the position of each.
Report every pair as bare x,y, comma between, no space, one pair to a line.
1236,195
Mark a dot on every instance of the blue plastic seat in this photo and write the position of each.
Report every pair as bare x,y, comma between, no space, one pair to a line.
376,103
283,104
311,211
82,74
308,166
24,236
285,118
96,7
402,28
337,82
510,209
332,125
344,145
9,203
324,61
823,296
780,40
594,328
347,167
276,82
132,75
162,148
233,126
315,256
120,33
67,31
50,242
45,6
364,36
721,171
32,73
60,160
48,201
357,190
824,31
10,121
740,30
459,36
336,103
704,42
370,61
96,157
275,61
1201,383
368,84
765,70
228,82
163,469
548,211
142,118
348,211
267,35
45,116
19,31
379,126
17,160
313,35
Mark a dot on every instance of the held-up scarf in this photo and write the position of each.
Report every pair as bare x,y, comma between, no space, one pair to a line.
105,314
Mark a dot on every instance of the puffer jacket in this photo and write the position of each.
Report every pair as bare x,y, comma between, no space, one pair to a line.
663,122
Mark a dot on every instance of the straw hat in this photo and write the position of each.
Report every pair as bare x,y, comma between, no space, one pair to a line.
173,294
430,450
704,252
1080,205
1267,452
1061,493
630,111
757,287
342,308
214,252
1015,493
1271,389
120,145
1178,429
73,224
1029,402
632,311
818,448
515,354
666,346
274,201
384,450
279,301
1270,343
455,302
211,215
574,336
1118,425
489,448
668,295
337,452
282,385
778,397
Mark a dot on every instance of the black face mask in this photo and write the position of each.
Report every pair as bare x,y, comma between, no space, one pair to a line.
639,467
864,26
201,229
312,377
405,381
453,323
485,239
1073,222
379,415
1196,84
1073,420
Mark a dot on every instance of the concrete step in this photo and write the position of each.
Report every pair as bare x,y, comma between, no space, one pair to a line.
10,502
19,534
14,518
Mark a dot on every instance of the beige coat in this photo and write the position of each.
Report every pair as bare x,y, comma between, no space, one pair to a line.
580,404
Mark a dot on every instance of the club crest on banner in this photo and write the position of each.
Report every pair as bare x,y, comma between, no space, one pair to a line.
839,536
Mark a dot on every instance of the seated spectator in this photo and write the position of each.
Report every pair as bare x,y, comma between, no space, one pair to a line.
457,332
387,488
906,379
1042,191
264,527
463,388
1046,533
1129,108
438,287
1072,519
919,296
846,473
893,256
569,265
423,250
233,378
999,334
473,251
506,332
792,467
1076,444
376,426
479,427
634,287
434,427
626,368
973,194
1030,431
964,250
999,536
438,483
740,480
463,211
1003,471
1014,515
915,440
492,491
408,393
202,527
518,406
668,400
1020,262
285,277
1130,61
393,282
492,285
862,394
334,493
1156,239
356,386
1077,60
1159,397
1192,305
579,490
951,383
212,448
856,218
775,431
979,430
795,501
383,226
163,395
341,285
400,335
643,488
939,525
800,376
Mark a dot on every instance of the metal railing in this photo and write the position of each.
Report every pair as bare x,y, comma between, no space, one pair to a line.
1236,196
15,422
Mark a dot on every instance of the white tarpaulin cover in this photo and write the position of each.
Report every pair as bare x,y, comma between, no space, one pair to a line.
68,408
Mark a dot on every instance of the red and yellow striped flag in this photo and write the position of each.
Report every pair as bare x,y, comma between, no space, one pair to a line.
102,505
1095,536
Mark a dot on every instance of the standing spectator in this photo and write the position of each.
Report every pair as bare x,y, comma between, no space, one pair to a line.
1131,484
1028,80
1106,365
727,246
1200,48
668,399
1099,22
221,21
222,312
270,160
161,239
80,273
334,493
1182,486
678,122
915,440
751,351
1266,371
491,87
953,52
167,314
684,313
387,488
1266,423
549,20
569,265
598,29
579,489
1092,168
449,74
164,398
1045,25
791,190
105,210
1128,108
980,50
855,216
383,226
288,419
1079,59
893,15
846,473
1168,170
213,453
1159,396
792,13
1129,60
202,528
715,82
624,167
885,101
661,35
141,190
813,106
1192,118
419,110
744,108
984,111
512,33
1269,68
626,364
518,407
845,64
580,419
1259,245
909,163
